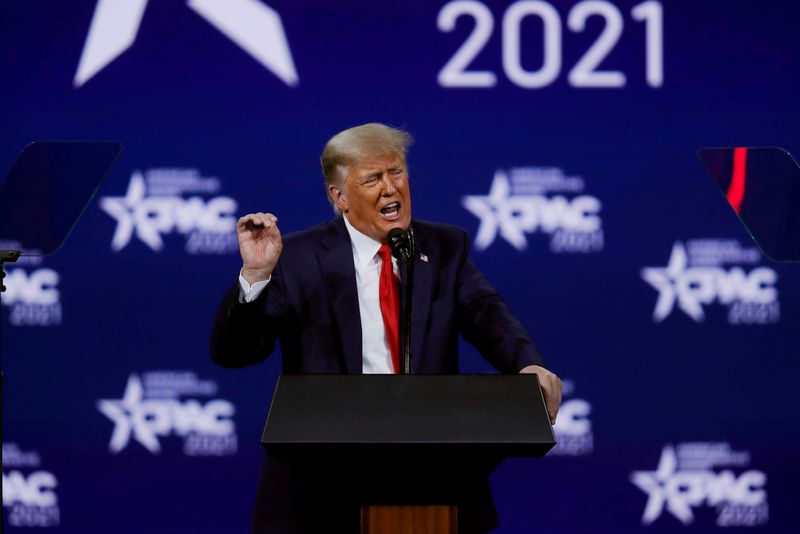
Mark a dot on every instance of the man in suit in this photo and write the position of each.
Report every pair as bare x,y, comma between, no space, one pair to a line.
323,302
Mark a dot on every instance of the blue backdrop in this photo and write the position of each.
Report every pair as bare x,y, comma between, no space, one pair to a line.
562,135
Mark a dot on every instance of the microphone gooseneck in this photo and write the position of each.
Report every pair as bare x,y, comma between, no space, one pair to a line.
401,243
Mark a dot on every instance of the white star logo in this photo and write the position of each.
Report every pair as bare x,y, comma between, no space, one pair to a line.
254,26
667,281
658,488
497,212
125,210
128,417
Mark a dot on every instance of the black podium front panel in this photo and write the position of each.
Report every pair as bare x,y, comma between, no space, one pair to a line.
492,412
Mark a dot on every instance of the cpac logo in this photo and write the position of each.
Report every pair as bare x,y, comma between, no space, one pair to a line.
36,489
741,500
252,25
752,296
147,419
574,222
28,491
573,427
38,287
573,418
151,216
31,499
33,297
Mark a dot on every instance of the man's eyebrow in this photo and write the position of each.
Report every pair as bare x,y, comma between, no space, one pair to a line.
366,172
366,177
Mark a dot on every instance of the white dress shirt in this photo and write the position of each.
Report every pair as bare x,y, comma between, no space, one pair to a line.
376,358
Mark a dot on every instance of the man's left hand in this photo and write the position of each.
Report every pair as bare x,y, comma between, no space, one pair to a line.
551,389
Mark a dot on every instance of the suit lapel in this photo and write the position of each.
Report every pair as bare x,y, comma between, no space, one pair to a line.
340,278
423,280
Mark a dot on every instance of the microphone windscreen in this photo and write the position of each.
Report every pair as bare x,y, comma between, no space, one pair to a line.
399,243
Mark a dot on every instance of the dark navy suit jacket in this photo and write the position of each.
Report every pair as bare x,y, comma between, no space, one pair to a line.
311,307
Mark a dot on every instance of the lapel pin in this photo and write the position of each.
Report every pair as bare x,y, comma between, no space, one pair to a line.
423,257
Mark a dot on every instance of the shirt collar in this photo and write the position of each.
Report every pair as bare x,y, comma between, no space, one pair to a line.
364,247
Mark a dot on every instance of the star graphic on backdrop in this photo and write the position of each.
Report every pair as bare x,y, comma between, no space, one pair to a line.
126,413
655,484
125,210
252,25
667,281
496,213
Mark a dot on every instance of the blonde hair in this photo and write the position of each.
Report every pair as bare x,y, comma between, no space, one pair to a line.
358,144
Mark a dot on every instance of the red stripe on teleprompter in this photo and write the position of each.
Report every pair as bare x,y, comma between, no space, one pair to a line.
735,192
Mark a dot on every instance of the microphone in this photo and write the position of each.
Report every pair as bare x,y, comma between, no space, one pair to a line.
401,243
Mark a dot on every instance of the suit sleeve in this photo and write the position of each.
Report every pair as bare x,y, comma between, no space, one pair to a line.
487,323
244,333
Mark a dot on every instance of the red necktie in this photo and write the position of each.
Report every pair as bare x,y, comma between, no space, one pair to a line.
390,305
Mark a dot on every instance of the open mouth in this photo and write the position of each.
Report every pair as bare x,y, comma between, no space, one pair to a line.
391,211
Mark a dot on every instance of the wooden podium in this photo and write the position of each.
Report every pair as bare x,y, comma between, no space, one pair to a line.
408,519
419,438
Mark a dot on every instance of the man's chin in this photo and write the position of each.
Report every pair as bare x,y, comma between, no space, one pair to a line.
383,226
403,223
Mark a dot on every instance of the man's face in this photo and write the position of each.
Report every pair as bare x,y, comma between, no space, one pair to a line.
375,196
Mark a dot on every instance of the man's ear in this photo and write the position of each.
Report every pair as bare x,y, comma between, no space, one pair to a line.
338,198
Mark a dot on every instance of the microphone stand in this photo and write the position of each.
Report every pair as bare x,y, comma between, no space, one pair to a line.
6,256
401,244
406,301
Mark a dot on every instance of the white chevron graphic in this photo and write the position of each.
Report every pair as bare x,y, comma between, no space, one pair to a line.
253,26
